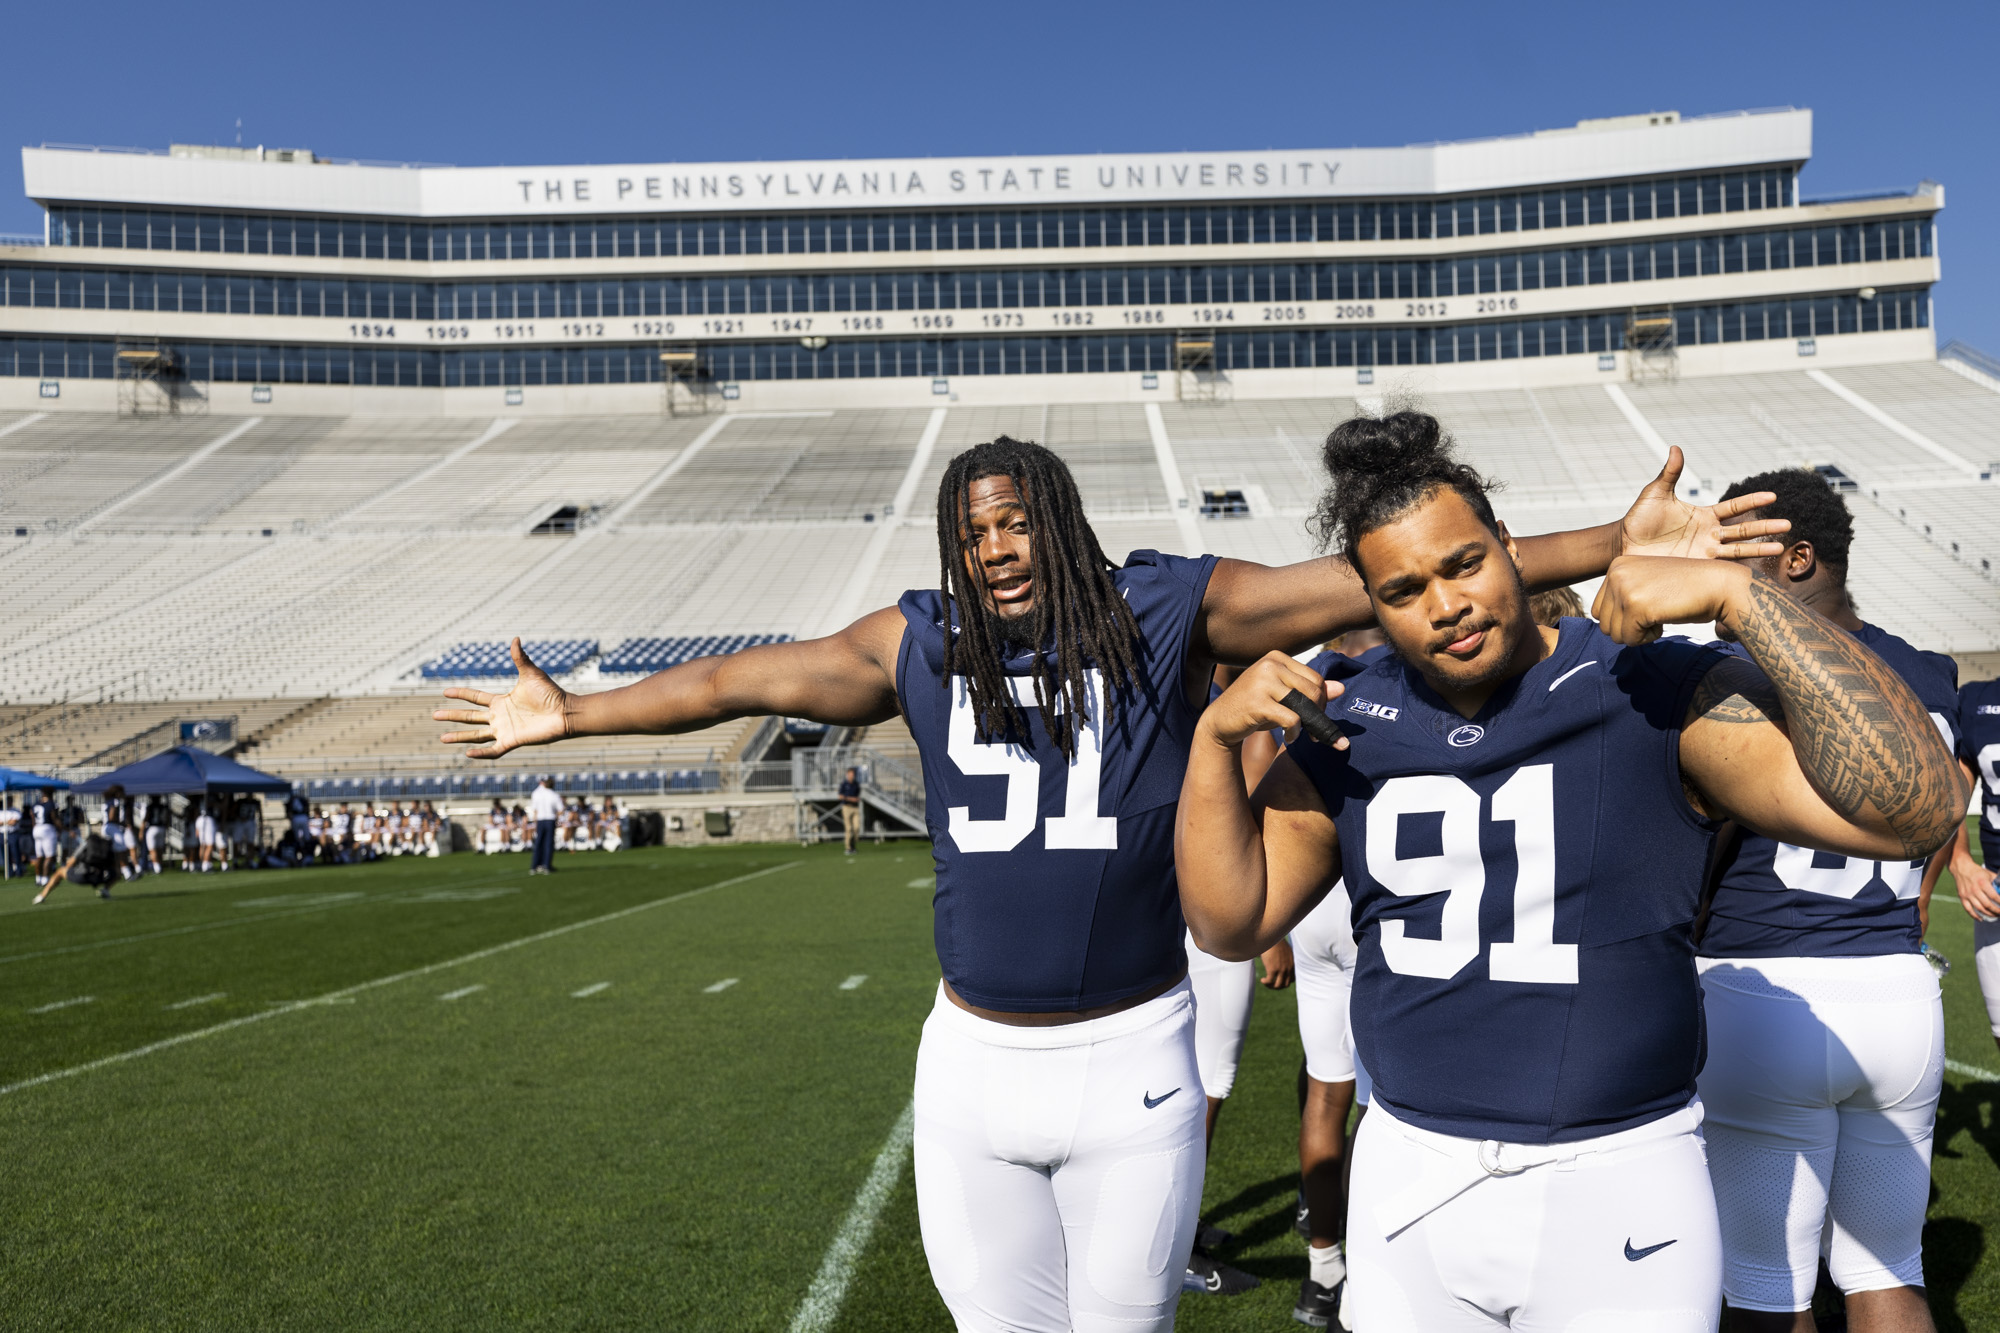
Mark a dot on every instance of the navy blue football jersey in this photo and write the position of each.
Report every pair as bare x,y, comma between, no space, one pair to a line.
1524,884
43,814
1979,745
1055,878
1774,900
1339,666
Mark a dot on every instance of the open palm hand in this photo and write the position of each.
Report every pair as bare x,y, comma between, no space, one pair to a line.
534,712
1661,523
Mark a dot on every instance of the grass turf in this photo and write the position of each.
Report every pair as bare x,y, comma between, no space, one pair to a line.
650,1155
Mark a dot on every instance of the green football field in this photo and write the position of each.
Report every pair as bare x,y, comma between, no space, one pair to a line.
661,1090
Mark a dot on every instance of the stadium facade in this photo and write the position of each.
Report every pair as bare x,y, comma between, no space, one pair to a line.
281,282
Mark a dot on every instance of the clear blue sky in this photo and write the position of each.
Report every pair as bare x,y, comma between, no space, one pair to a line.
1899,93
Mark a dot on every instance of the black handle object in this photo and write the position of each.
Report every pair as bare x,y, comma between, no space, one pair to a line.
1312,718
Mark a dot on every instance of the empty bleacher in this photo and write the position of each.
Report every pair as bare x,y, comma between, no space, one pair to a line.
59,736
146,573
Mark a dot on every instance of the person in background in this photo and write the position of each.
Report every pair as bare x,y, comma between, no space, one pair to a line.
117,830
433,826
42,816
1548,608
191,834
547,807
341,833
159,813
518,839
10,824
93,863
850,808
316,834
614,832
73,823
298,810
204,828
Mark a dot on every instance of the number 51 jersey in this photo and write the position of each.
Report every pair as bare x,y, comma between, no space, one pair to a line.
1524,885
1055,876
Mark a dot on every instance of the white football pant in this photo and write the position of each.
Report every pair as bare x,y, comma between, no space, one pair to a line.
1986,960
1222,995
1822,1087
1614,1234
1059,1168
1323,954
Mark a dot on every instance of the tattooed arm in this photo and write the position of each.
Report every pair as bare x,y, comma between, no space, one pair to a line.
1815,741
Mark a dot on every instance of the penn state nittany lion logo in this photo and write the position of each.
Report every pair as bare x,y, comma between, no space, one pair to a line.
1469,734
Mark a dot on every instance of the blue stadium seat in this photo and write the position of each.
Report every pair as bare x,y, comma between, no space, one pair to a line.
639,657
489,659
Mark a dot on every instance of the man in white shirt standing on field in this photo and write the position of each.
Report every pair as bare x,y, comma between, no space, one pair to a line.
546,807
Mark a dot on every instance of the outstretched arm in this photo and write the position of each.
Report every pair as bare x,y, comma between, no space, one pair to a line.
1250,868
1250,610
1815,741
847,678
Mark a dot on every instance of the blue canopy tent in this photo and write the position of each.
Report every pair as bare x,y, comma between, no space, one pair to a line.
19,779
185,771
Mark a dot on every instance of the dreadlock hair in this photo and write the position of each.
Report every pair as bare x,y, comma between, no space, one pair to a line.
1817,512
1381,468
1075,601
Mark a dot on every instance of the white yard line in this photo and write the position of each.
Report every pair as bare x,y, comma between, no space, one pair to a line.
720,986
593,988
821,1306
334,997
1964,1070
63,1004
462,992
216,925
854,982
199,999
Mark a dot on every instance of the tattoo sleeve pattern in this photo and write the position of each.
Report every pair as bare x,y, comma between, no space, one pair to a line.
1861,736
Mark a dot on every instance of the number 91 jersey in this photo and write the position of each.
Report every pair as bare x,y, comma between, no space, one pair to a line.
1524,886
1055,876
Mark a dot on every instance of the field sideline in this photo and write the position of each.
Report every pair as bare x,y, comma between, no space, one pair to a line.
645,1092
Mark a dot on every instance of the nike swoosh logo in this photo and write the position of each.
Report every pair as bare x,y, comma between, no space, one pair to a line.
1151,1102
1567,674
1636,1255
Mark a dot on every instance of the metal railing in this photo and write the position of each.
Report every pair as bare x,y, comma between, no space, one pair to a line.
21,238
817,774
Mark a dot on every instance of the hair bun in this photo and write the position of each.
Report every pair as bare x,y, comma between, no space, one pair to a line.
1383,446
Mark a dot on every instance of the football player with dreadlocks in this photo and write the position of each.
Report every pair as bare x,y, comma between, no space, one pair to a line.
1052,695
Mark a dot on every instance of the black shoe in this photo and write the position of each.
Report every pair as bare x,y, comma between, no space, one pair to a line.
1303,1222
1217,1279
1318,1307
1208,1239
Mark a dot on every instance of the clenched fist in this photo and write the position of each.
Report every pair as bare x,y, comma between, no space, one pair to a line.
1254,702
1643,592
